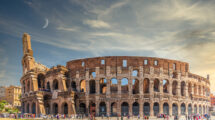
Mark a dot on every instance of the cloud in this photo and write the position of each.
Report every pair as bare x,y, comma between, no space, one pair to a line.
2,74
70,29
96,23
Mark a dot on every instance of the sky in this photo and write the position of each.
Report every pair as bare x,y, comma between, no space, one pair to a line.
71,29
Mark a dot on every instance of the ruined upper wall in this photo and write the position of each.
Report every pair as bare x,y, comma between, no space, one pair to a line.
134,61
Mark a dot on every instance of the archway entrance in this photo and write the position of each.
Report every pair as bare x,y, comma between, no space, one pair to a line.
124,109
135,109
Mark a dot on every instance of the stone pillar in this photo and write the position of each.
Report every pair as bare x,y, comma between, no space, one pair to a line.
179,109
130,109
186,108
108,86
97,107
186,90
151,87
170,109
151,108
97,86
78,84
118,108
119,86
161,108
141,108
192,89
179,89
108,106
161,87
170,88
141,87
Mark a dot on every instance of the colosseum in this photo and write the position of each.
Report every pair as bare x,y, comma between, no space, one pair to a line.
112,86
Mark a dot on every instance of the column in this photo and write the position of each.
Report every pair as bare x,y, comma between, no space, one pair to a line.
161,86
141,87
151,108
119,108
186,109
108,86
119,86
179,89
151,88
161,108
130,108
186,90
108,108
141,108
97,86
179,109
97,107
170,109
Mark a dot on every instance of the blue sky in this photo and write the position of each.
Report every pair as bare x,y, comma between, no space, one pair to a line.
182,30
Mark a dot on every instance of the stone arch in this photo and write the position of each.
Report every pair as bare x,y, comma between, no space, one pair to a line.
183,85
156,108
92,85
174,87
83,85
183,109
195,109
200,109
199,89
174,109
156,85
135,73
195,89
103,85
124,109
33,106
114,85
146,84
28,86
64,108
28,108
55,85
113,109
55,108
166,86
47,108
102,109
92,108
124,85
166,108
190,89
190,109
41,81
135,108
135,86
146,109
73,86
48,86
82,108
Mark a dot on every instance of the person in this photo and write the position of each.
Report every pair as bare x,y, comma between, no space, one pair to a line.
138,116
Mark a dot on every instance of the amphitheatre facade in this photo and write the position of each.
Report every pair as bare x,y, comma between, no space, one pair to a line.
112,86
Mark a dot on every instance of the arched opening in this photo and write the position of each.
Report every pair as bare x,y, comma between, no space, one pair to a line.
174,109
156,85
200,109
124,85
183,85
33,108
92,86
28,108
165,86
135,86
114,109
183,109
23,107
82,108
195,89
146,85
135,73
93,74
174,87
195,109
199,90
92,109
190,89
73,85
124,109
156,109
29,87
102,109
203,109
189,109
55,84
103,86
166,108
47,109
135,109
41,81
146,109
83,86
55,108
114,86
48,86
65,108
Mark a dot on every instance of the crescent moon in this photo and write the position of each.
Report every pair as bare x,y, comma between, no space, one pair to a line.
46,23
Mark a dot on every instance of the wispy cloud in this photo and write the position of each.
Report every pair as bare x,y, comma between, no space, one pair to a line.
70,29
96,23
